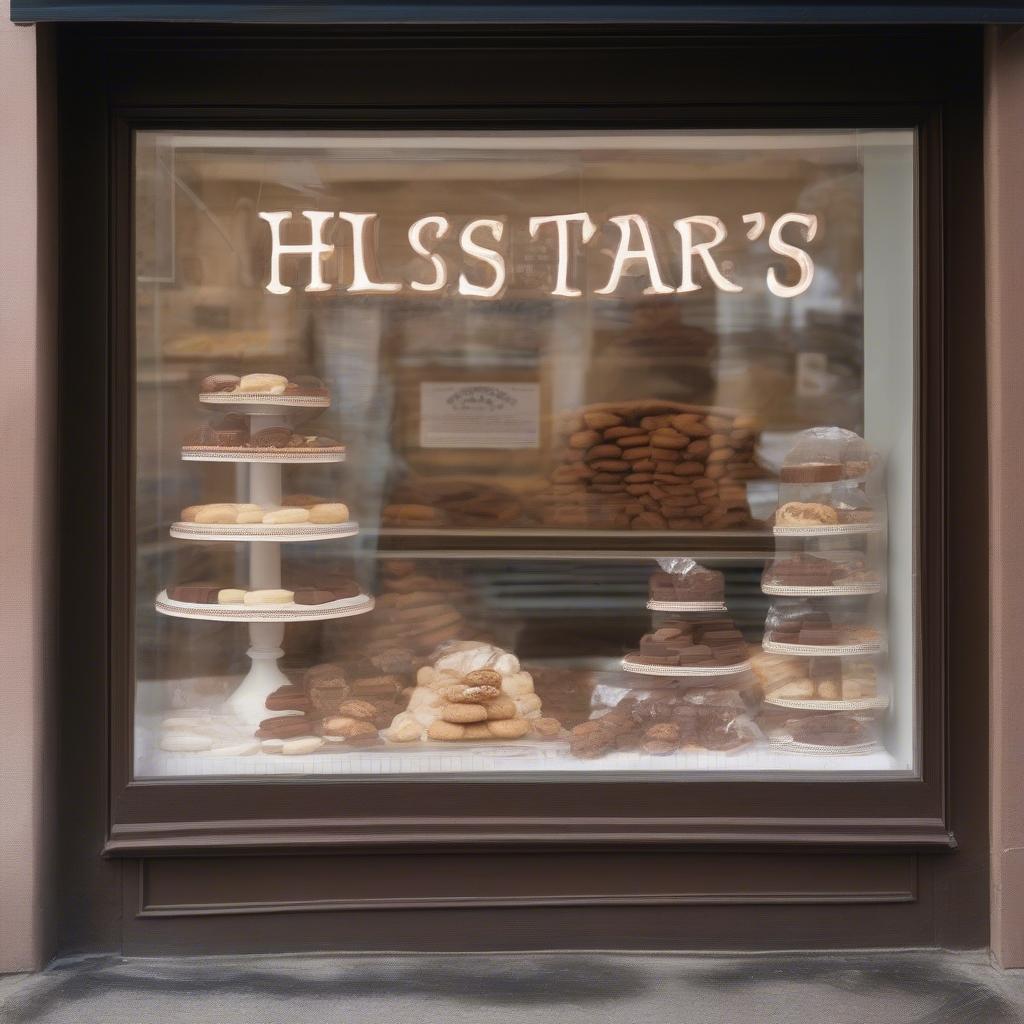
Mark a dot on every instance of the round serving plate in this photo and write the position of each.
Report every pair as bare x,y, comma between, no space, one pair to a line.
358,605
797,704
274,455
279,533
686,606
255,404
791,746
814,650
642,669
839,530
838,590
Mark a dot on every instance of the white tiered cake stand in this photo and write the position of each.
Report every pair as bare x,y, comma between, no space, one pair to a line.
266,622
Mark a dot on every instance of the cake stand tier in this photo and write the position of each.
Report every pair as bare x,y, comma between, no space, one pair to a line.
340,609
254,404
274,456
283,533
685,606
821,651
837,590
640,668
838,530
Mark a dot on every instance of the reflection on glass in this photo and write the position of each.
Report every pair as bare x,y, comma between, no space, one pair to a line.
462,454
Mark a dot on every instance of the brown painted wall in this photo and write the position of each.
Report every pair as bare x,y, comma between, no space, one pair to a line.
1005,299
27,320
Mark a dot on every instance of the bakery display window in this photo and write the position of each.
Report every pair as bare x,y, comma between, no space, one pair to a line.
498,452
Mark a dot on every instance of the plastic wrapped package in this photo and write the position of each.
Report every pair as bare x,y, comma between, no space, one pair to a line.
692,645
668,722
684,582
835,732
825,571
792,681
810,626
830,481
473,692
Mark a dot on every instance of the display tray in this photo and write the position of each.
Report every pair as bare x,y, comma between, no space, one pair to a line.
640,668
838,590
863,704
840,530
281,533
814,650
278,455
266,612
791,746
686,606
257,404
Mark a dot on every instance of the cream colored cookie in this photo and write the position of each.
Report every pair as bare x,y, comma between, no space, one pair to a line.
263,383
231,596
269,597
236,749
508,729
445,731
329,512
518,684
404,729
301,745
249,518
503,707
217,514
287,515
463,713
272,746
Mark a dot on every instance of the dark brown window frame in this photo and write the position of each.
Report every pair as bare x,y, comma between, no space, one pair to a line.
135,82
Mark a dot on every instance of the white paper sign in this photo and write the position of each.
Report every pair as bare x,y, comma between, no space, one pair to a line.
479,415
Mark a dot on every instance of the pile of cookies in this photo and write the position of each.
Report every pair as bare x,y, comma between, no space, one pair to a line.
415,608
234,513
784,677
232,431
697,719
651,465
263,384
472,692
452,502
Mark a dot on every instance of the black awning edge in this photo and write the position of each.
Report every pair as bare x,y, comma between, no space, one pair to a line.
524,12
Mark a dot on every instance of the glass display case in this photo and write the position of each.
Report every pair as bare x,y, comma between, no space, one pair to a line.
498,452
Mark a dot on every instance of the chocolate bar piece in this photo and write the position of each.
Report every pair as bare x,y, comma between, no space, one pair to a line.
197,593
312,595
283,726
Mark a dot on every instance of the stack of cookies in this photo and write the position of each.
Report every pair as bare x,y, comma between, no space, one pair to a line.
651,465
343,704
472,692
415,609
699,719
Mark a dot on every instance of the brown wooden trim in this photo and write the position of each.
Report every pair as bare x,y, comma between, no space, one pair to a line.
115,79
535,833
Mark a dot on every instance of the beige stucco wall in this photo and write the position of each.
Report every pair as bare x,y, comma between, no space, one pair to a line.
1005,275
26,318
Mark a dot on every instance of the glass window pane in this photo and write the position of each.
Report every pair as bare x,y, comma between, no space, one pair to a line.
501,452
